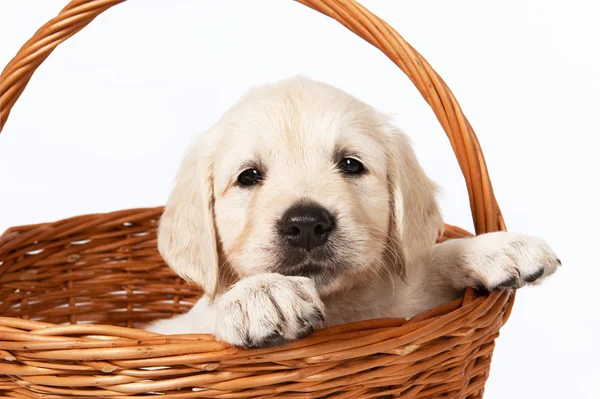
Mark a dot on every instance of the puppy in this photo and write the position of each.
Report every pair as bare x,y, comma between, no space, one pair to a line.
303,207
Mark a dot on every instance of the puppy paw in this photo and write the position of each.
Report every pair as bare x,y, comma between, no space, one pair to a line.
508,261
267,310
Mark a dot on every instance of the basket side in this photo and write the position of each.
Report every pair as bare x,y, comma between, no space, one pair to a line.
105,268
101,268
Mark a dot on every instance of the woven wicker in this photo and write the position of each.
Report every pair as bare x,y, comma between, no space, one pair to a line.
58,278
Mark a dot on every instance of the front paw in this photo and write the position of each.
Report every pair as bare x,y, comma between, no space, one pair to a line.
508,260
267,310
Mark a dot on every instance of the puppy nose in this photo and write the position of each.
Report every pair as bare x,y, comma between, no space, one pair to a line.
306,226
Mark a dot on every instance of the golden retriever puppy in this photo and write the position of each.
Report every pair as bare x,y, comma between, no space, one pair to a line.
303,207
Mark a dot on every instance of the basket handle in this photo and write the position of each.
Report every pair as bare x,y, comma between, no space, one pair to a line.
484,208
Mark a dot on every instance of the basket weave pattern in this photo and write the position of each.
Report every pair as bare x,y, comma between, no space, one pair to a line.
73,293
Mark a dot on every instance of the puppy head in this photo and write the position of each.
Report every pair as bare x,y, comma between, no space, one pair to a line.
298,178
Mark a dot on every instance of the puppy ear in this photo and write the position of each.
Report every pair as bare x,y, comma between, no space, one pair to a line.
187,236
416,221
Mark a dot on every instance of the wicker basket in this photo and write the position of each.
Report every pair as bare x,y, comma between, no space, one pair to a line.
58,278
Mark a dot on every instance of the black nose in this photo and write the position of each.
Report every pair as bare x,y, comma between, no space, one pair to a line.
306,226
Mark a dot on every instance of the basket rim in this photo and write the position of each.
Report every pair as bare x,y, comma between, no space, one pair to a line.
14,236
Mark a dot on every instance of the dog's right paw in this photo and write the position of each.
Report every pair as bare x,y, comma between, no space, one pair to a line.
268,309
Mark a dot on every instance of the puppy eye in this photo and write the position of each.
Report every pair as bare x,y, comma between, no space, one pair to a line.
351,166
249,177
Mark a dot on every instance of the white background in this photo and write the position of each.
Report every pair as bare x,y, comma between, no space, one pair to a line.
103,123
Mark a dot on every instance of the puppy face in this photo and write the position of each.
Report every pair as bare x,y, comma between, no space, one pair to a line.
298,178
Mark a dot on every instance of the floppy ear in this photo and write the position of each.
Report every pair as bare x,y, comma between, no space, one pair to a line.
416,221
187,236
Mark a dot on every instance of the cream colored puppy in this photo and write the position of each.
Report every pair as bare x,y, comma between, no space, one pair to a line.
304,207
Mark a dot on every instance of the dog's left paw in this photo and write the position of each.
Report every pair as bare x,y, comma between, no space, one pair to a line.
508,260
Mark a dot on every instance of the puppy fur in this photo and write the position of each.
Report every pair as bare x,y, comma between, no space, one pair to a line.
381,260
